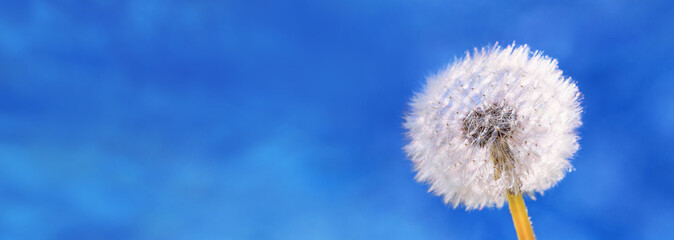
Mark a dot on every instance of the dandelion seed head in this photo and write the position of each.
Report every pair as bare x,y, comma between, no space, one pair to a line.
499,119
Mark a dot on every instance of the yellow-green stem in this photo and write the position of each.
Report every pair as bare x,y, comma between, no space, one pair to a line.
520,217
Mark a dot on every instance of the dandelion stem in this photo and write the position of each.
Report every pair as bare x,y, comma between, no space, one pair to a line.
520,217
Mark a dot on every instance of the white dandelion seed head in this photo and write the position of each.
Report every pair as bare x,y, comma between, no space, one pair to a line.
497,103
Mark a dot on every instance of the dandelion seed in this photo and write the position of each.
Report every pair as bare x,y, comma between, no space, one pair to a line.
513,93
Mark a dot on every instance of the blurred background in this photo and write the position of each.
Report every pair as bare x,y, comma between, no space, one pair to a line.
282,119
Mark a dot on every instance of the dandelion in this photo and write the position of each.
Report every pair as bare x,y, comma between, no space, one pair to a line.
492,126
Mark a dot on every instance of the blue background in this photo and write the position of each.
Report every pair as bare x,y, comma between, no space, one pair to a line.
282,120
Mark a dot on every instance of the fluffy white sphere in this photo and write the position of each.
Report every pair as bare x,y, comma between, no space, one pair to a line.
509,99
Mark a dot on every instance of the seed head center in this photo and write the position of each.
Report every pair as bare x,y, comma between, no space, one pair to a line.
484,125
